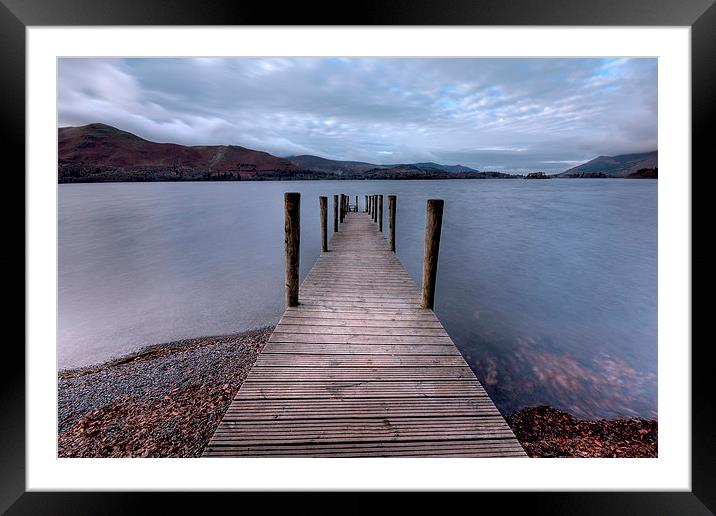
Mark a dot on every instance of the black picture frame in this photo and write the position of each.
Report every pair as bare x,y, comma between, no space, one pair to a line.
17,15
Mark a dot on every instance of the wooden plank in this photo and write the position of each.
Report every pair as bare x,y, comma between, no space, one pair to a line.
332,360
290,322
307,308
378,389
303,329
361,430
258,410
350,338
358,349
341,317
458,448
299,374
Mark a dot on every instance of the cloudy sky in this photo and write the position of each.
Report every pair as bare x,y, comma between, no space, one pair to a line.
489,114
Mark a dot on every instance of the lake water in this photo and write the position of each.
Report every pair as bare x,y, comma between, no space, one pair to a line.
548,288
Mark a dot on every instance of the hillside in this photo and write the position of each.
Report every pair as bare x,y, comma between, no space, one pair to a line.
422,172
446,168
614,166
328,165
99,152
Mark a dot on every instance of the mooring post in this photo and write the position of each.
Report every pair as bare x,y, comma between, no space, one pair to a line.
391,221
335,213
380,213
292,225
433,225
366,204
356,210
343,201
324,222
375,208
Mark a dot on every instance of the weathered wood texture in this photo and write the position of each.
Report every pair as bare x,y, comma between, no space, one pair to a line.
433,228
335,213
292,245
380,213
359,369
391,221
323,201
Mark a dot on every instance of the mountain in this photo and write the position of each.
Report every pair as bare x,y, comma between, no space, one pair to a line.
360,167
446,168
99,152
102,153
614,166
328,165
418,171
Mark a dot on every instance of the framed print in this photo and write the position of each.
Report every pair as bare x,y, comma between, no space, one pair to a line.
501,278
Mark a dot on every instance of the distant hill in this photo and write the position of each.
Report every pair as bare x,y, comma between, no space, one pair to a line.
446,168
102,153
360,167
614,166
328,165
99,152
417,171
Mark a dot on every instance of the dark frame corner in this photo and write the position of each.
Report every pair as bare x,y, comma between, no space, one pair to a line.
16,15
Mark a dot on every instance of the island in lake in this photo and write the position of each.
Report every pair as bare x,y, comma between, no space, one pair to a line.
99,153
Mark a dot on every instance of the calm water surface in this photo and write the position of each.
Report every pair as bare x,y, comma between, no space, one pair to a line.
549,288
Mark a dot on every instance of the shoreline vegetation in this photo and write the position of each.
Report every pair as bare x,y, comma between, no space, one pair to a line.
166,400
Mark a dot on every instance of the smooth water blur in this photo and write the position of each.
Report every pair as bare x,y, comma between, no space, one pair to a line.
548,287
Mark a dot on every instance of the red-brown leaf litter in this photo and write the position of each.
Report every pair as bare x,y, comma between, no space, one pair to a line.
544,431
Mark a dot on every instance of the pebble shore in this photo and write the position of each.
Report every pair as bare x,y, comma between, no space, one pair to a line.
163,401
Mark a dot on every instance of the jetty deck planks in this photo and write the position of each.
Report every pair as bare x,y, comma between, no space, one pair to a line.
358,369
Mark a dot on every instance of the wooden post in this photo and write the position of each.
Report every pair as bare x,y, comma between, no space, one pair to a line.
343,202
335,213
356,207
292,226
380,213
366,204
433,226
391,221
324,223
375,208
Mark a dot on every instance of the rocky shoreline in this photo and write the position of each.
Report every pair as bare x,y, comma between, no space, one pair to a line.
167,400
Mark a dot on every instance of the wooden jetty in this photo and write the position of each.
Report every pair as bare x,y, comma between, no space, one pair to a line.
360,366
